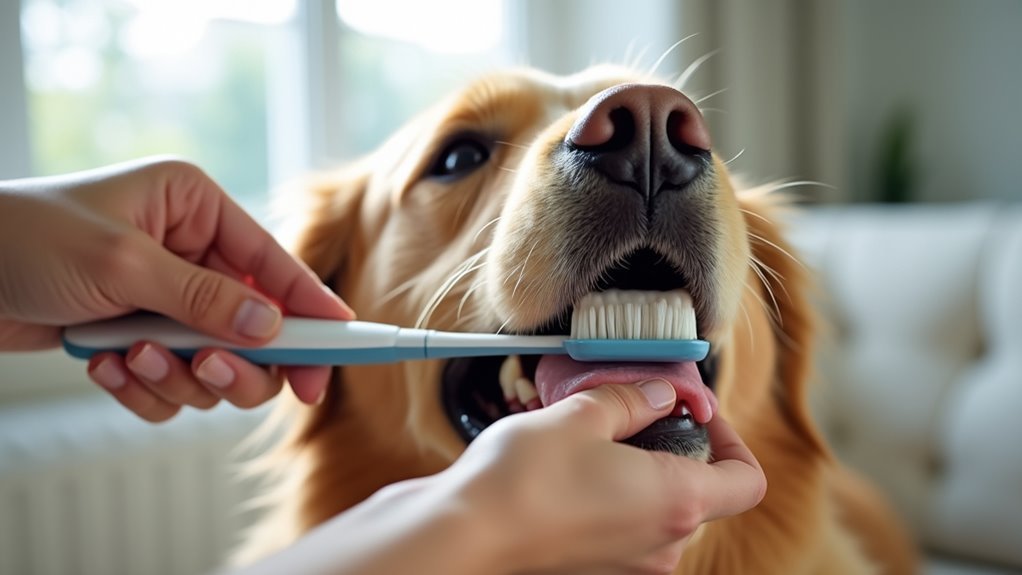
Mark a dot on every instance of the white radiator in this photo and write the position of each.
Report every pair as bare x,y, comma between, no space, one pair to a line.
86,488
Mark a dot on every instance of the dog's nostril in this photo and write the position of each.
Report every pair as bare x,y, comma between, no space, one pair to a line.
681,134
648,137
600,133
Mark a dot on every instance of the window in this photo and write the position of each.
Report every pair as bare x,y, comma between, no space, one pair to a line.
397,55
116,80
214,80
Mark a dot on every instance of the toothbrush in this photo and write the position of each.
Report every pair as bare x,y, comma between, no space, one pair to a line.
668,335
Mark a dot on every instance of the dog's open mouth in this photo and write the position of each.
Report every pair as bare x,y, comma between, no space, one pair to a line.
478,391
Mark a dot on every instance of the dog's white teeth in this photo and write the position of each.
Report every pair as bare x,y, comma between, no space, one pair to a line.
519,393
685,411
510,372
527,395
634,314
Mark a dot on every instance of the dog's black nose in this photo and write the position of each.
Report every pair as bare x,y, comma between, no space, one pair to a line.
647,137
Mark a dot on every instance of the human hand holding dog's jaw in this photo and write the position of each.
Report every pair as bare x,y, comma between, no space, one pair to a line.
548,491
569,496
157,235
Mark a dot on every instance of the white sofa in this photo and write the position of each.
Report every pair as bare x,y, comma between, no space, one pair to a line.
921,375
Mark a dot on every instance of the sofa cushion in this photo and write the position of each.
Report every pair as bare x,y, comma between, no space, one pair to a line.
921,372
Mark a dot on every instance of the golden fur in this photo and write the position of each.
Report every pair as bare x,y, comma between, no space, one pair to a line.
388,239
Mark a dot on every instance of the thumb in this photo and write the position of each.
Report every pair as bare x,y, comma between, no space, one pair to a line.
204,299
617,411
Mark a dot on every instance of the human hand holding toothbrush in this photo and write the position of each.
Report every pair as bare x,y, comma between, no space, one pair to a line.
157,235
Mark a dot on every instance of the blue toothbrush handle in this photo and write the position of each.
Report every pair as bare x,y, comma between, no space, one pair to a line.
301,341
304,341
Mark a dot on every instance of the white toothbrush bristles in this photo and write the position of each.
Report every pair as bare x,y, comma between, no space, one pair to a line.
634,314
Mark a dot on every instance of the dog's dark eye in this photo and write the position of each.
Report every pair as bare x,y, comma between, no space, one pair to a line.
459,158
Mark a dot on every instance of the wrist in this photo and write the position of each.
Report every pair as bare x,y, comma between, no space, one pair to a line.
469,535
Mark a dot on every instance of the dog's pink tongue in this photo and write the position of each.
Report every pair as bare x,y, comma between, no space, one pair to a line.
558,376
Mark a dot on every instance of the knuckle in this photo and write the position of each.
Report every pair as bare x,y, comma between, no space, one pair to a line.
683,520
175,166
615,398
201,292
117,254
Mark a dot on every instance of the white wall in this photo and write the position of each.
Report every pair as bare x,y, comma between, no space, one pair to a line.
958,63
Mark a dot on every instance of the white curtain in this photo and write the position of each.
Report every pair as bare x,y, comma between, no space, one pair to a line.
779,64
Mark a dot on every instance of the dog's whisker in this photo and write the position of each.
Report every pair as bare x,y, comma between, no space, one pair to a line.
748,321
683,78
508,170
770,311
460,272
773,273
633,59
503,325
510,274
397,291
753,214
777,277
472,288
769,289
760,238
736,156
521,275
799,183
475,238
715,110
667,52
810,184
710,95
511,144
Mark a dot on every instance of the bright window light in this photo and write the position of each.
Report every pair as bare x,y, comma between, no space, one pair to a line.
447,26
114,80
173,27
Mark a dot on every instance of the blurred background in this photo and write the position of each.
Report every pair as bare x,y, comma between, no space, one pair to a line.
903,115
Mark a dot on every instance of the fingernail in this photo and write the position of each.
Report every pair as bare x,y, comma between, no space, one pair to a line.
658,392
107,374
215,372
256,319
347,308
149,364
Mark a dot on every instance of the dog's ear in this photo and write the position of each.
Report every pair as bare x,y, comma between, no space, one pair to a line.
793,317
322,219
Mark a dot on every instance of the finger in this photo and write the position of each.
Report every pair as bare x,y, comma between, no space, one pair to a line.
18,336
732,484
309,304
204,219
617,411
202,298
167,376
309,383
228,376
109,372
251,250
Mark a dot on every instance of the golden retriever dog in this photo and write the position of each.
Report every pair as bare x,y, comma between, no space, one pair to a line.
496,211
